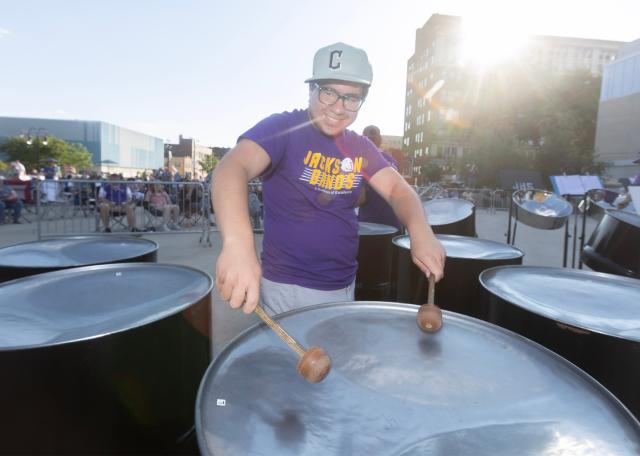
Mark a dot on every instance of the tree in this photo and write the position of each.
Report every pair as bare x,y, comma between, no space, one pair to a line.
36,154
209,163
495,149
515,110
432,172
568,125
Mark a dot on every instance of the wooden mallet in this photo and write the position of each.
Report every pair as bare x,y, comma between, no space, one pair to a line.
429,316
314,364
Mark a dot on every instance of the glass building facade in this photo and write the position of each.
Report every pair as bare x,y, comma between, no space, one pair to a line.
123,148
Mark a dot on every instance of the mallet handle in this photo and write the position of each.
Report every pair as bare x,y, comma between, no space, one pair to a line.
290,341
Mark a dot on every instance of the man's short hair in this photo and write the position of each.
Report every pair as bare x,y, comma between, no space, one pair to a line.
373,133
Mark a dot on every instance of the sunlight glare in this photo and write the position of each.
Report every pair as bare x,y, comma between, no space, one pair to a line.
489,40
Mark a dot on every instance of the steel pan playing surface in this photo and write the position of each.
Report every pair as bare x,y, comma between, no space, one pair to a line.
471,388
541,209
451,216
29,258
589,318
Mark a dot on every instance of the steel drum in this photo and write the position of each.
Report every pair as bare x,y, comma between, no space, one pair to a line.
598,201
460,289
591,319
451,216
541,209
103,359
29,258
614,246
470,389
375,261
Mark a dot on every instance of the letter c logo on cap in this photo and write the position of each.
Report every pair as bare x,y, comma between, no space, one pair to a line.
335,55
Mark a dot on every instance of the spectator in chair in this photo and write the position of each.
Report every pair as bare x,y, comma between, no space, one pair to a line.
160,205
9,199
115,199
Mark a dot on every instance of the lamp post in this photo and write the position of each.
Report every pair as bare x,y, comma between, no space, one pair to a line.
32,137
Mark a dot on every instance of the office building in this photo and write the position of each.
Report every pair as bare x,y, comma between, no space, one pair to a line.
185,156
437,112
113,148
617,132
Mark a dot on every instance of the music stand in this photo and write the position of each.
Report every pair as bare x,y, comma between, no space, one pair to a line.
572,187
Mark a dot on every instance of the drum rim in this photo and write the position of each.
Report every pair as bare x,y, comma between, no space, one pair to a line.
406,308
388,229
601,275
119,266
464,201
615,213
154,246
438,236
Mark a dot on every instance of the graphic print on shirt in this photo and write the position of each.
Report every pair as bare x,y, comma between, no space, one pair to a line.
330,174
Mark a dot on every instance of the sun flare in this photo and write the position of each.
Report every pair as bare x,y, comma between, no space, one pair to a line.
487,41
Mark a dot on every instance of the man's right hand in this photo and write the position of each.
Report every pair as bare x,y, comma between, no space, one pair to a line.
238,274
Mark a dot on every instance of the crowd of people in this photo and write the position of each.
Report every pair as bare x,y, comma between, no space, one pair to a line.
178,202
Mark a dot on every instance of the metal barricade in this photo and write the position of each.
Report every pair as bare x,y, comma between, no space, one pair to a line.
74,207
480,197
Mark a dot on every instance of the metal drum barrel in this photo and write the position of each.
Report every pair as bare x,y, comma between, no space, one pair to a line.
460,289
614,246
29,258
103,359
591,319
375,260
451,216
470,389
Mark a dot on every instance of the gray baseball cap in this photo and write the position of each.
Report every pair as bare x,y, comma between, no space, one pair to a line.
341,62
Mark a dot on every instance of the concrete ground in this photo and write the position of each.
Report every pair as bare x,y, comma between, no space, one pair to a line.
541,248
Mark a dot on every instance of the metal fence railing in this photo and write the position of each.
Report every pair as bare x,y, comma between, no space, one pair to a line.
487,198
81,207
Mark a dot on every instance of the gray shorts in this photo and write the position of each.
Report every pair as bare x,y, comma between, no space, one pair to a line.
281,297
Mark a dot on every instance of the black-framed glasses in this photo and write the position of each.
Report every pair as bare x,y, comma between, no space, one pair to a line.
328,96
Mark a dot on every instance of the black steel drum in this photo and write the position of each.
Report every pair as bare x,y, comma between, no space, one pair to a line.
451,216
591,319
460,289
375,260
470,389
29,258
614,246
103,359
541,209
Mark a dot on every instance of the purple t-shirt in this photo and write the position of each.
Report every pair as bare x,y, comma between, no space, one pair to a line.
376,209
310,192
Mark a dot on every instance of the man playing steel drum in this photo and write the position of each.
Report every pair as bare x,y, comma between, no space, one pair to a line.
312,169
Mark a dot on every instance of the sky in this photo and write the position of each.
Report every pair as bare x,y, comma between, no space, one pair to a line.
210,70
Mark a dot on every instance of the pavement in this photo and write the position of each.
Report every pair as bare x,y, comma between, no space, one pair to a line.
541,248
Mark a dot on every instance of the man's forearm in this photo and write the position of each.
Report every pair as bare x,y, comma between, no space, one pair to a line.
230,201
410,211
